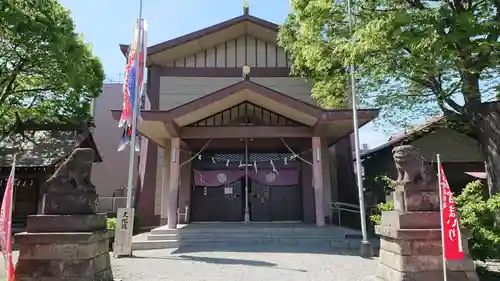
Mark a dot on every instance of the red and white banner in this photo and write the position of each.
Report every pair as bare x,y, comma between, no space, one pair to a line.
6,224
452,240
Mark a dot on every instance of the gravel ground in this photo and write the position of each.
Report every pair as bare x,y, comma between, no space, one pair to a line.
243,265
290,264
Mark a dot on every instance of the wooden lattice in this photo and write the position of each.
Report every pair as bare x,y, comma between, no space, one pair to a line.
245,114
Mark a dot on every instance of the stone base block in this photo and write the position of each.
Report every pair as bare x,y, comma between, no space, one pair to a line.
407,234
411,247
411,220
416,254
416,198
70,203
63,256
422,262
385,273
66,223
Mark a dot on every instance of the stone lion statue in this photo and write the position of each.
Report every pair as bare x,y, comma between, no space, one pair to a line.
74,172
411,166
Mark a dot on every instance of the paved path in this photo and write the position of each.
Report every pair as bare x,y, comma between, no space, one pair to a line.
243,265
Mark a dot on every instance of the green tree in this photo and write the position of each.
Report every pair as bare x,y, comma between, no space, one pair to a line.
47,73
412,58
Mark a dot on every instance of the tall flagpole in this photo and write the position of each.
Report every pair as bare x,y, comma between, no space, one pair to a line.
137,97
445,277
366,249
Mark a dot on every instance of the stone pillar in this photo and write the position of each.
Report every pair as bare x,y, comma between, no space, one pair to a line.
318,181
173,197
410,236
165,180
69,241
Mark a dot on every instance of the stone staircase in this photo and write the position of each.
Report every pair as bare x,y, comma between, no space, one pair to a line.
239,234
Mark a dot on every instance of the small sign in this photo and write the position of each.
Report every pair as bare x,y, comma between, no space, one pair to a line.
123,232
228,190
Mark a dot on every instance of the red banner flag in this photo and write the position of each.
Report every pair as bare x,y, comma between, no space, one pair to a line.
6,224
452,240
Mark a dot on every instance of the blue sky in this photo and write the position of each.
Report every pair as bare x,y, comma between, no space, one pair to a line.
107,23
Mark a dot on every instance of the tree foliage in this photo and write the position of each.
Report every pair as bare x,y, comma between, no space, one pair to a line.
411,56
478,214
376,216
47,73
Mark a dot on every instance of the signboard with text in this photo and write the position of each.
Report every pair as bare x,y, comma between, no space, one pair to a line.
123,232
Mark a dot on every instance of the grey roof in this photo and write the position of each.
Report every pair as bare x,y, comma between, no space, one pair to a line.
393,140
37,148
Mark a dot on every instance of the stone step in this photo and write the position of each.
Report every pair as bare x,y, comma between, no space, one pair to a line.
154,244
162,230
167,237
330,244
212,235
241,233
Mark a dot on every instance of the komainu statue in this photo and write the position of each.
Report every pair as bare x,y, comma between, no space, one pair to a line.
411,166
74,173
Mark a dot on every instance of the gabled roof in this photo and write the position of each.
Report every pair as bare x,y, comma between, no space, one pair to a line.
416,132
245,18
44,147
210,30
312,111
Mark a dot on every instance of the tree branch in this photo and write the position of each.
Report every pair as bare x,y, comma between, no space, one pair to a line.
415,4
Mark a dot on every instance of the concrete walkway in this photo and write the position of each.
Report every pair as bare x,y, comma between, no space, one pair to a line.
244,264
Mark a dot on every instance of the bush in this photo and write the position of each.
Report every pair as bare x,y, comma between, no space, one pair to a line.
111,224
478,214
381,207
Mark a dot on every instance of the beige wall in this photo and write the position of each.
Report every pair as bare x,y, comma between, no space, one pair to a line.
451,145
244,50
176,91
111,174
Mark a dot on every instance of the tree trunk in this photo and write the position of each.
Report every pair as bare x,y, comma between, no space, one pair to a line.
488,132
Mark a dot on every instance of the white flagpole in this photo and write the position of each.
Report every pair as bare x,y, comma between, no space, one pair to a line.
137,98
366,248
445,276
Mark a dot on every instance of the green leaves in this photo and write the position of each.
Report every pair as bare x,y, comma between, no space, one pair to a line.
478,214
47,73
376,217
411,56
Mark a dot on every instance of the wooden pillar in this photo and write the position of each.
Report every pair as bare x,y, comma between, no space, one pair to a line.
173,196
327,183
165,181
318,182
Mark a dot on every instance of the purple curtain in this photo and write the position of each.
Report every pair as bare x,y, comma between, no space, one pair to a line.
217,177
282,178
266,177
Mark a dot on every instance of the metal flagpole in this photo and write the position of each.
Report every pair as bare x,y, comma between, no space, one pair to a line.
134,112
125,216
366,249
445,277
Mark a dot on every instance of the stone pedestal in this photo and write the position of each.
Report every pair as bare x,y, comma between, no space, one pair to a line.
410,240
69,241
64,247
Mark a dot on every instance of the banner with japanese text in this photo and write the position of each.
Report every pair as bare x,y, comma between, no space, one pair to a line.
6,224
452,239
